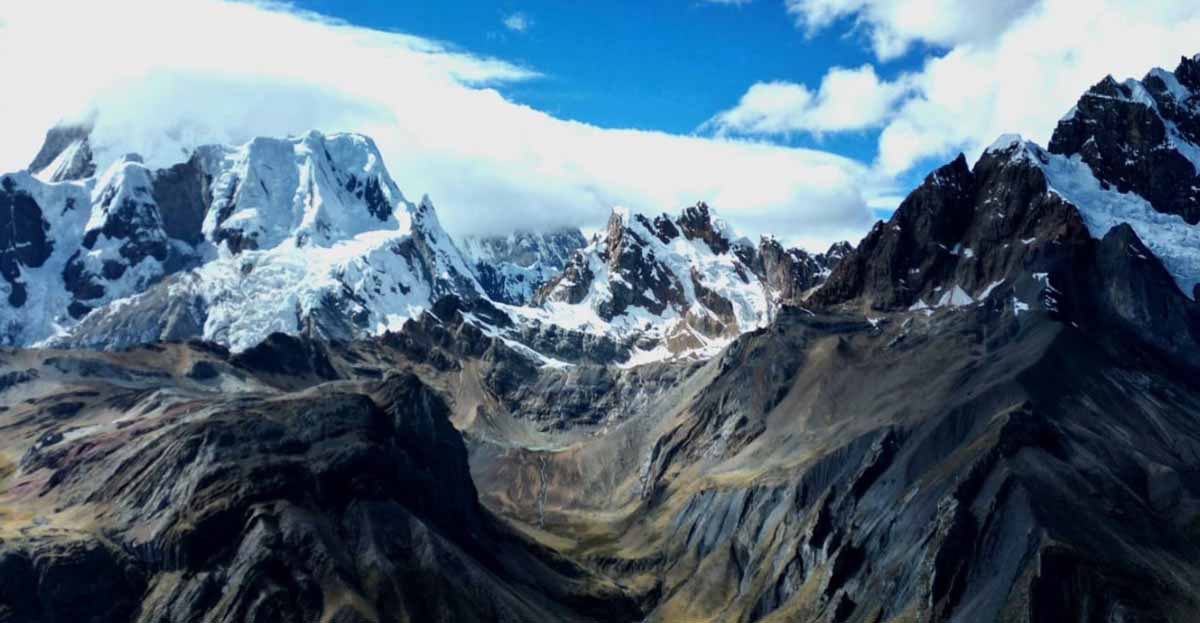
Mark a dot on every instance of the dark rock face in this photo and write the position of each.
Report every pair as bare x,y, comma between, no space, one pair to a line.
70,581
371,193
789,274
715,302
23,240
1127,133
183,195
649,284
1136,294
495,283
645,282
442,338
203,371
16,377
82,284
1023,242
154,316
289,356
697,224
960,228
134,219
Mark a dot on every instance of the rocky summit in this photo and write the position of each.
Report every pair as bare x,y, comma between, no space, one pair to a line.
262,385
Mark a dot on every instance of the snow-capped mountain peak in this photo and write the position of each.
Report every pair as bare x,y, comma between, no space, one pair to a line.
680,284
305,233
1141,137
65,155
313,190
1099,230
310,234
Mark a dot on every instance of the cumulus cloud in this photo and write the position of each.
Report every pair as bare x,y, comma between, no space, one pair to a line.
158,77
518,22
1030,75
848,99
892,26
1009,66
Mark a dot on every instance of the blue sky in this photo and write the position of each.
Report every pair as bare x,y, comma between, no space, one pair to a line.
796,118
647,64
665,65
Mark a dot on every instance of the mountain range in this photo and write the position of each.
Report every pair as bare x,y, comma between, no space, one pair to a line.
263,385
311,235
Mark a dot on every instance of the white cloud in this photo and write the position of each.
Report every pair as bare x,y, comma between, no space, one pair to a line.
158,75
1011,66
518,22
1030,75
848,99
894,25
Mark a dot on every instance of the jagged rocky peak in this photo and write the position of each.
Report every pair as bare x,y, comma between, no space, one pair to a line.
1141,137
124,247
66,154
685,283
650,273
75,245
963,236
1031,230
697,222
512,267
1126,153
790,274
298,234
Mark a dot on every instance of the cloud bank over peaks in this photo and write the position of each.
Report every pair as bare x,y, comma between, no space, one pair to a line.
159,78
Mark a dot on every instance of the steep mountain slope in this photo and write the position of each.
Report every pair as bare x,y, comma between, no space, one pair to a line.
987,413
182,484
1015,226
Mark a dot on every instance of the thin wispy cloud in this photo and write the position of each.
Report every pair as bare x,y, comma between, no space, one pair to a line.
518,22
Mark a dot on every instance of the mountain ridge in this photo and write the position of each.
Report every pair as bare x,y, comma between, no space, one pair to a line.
306,234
